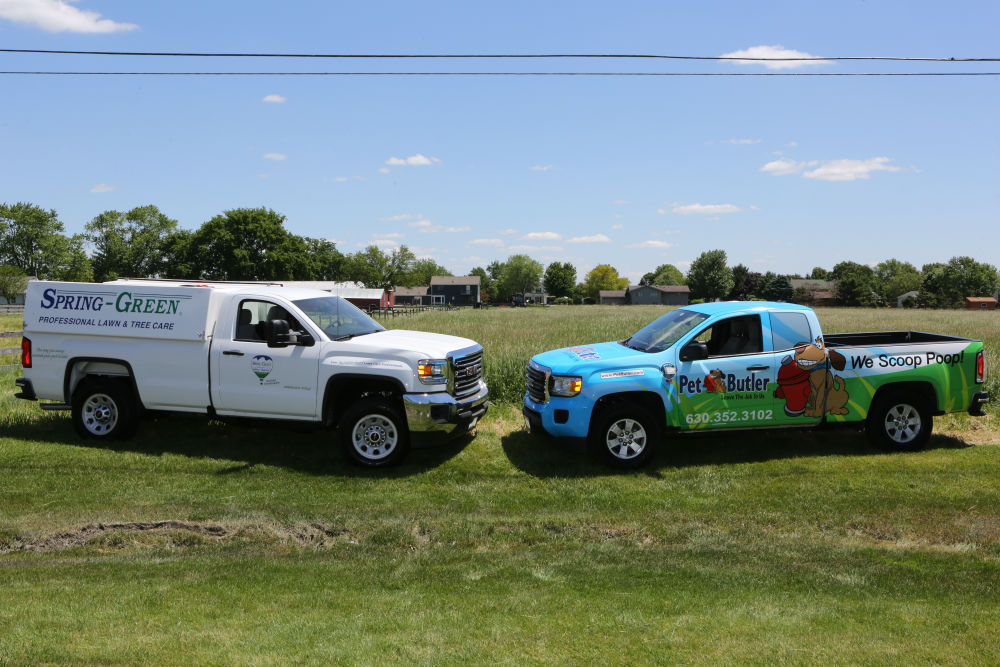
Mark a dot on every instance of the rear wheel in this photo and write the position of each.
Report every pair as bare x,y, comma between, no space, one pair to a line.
899,422
105,409
373,432
624,436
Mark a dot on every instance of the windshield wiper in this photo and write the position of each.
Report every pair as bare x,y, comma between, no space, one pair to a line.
360,333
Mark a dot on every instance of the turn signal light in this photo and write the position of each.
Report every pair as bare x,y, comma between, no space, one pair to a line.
25,353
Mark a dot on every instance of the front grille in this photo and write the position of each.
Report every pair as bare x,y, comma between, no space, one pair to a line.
466,372
538,383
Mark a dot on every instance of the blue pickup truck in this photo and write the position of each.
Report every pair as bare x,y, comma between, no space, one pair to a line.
750,365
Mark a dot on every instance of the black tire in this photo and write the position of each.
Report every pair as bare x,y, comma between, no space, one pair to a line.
373,432
624,436
105,409
899,421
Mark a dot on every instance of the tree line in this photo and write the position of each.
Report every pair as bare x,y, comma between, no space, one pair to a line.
253,244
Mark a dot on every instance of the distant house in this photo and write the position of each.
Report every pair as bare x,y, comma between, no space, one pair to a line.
454,290
536,297
356,293
913,294
658,295
611,297
980,303
412,296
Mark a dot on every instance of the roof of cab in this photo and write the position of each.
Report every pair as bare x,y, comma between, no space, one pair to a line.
726,307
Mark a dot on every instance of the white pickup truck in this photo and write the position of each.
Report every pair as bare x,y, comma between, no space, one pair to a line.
108,351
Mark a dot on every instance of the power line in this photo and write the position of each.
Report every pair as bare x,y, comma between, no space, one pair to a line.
510,74
183,54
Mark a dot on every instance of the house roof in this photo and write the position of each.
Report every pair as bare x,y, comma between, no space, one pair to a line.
980,299
454,280
612,293
812,284
412,291
662,288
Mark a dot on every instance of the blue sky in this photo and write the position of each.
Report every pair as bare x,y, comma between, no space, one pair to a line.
783,173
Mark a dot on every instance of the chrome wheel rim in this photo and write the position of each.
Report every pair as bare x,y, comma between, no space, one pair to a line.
902,423
99,414
374,437
626,439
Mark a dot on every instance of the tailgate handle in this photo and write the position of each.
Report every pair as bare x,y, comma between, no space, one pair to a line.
757,368
232,353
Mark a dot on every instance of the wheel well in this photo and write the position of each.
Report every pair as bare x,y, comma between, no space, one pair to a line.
80,368
342,390
924,391
647,399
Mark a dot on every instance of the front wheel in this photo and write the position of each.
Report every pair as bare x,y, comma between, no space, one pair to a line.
899,422
104,409
374,433
624,436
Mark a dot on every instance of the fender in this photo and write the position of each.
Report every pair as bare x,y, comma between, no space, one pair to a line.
72,363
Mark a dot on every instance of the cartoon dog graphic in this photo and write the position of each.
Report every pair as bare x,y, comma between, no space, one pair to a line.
825,391
715,382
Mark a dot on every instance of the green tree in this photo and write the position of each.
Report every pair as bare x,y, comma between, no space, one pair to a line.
129,244
603,277
746,283
520,274
709,278
946,285
377,268
13,281
422,270
178,255
248,244
32,239
819,273
855,284
560,278
894,278
487,285
664,274
325,261
778,288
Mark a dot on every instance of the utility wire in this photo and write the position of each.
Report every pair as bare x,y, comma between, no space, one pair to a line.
496,55
500,74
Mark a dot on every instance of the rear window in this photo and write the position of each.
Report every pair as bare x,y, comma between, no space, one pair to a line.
789,330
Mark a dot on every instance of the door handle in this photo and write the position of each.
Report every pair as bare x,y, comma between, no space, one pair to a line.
757,368
232,353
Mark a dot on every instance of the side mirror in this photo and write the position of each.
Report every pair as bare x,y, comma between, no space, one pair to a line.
275,332
305,339
694,351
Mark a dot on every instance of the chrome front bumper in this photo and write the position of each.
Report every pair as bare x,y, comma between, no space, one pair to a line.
443,415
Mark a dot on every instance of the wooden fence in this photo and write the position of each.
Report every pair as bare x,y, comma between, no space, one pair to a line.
7,309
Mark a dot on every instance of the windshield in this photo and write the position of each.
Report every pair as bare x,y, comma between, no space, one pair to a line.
663,332
338,318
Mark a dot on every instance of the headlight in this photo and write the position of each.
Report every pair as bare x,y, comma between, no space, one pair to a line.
565,385
432,371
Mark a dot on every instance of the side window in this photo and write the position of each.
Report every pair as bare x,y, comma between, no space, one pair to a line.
789,330
736,335
252,312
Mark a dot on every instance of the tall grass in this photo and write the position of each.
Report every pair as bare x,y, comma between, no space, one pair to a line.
511,336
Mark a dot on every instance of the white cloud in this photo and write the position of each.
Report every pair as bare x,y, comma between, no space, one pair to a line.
541,236
539,167
850,170
742,142
385,243
617,226
340,179
59,16
418,160
508,232
783,167
534,248
702,209
650,244
427,226
274,99
398,218
384,170
103,187
775,51
275,156
495,243
596,238
391,235
423,223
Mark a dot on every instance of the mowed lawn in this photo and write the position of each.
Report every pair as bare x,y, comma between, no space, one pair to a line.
203,543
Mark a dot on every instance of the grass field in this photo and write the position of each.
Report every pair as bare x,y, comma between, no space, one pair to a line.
199,543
